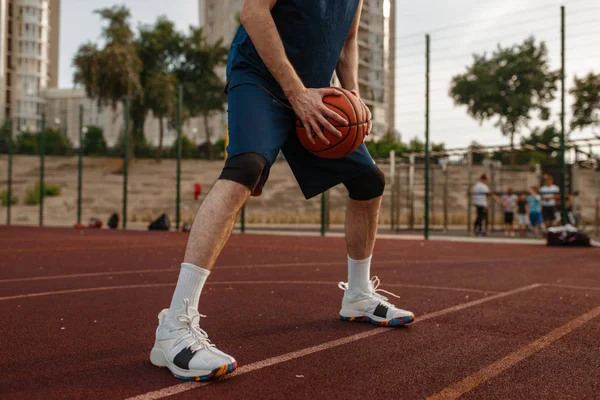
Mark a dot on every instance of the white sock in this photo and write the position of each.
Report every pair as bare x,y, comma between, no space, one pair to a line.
359,275
189,286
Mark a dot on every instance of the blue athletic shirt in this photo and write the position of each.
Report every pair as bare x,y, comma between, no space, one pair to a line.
313,33
534,203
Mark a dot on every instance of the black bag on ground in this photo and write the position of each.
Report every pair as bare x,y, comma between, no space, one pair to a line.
568,235
113,221
160,224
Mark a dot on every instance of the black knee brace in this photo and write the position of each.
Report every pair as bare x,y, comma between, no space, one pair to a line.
248,169
367,186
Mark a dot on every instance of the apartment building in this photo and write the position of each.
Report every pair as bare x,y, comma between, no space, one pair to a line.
29,37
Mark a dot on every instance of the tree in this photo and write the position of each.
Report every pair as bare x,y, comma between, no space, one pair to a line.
111,73
542,139
203,89
159,47
509,85
586,108
93,142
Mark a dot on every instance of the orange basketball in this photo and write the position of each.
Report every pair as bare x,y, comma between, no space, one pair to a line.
353,135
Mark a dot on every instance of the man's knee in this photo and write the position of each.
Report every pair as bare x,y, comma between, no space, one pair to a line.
367,186
246,169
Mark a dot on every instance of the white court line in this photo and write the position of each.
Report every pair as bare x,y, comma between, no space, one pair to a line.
184,387
491,371
153,285
556,285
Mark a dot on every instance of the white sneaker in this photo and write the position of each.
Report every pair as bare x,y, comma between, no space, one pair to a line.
372,307
185,350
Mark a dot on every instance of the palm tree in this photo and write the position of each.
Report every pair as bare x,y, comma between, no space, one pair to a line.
111,73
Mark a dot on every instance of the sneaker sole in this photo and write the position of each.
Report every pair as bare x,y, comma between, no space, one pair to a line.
392,322
215,374
158,359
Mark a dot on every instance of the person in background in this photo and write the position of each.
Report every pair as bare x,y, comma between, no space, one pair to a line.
549,192
535,213
481,192
197,191
522,218
509,202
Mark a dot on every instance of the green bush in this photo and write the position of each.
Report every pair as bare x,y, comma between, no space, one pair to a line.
4,137
56,143
33,194
27,143
219,148
188,149
4,198
93,142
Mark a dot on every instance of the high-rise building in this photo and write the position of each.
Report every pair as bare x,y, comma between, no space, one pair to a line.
219,19
29,37
372,69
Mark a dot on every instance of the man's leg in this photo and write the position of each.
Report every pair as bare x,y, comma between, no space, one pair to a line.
180,344
362,219
214,222
210,231
361,301
478,227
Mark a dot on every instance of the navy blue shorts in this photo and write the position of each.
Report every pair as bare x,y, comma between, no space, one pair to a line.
261,123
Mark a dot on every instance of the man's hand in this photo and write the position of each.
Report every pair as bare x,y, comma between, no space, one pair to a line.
367,112
308,106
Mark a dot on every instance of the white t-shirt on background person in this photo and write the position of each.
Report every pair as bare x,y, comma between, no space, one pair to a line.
548,195
480,192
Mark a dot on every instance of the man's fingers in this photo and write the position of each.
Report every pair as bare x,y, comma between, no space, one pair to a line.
369,127
306,125
317,129
325,123
330,92
334,116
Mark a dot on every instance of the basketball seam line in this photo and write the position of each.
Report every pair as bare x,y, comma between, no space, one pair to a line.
355,114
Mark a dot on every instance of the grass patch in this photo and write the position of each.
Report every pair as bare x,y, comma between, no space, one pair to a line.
6,201
33,195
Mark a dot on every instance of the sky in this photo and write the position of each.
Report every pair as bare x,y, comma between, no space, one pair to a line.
458,28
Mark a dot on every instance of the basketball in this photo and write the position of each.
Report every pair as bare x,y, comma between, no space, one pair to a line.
348,106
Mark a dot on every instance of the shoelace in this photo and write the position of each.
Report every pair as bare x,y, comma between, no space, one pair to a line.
375,282
196,337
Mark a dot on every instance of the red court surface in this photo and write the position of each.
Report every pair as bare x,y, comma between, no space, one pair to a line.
493,320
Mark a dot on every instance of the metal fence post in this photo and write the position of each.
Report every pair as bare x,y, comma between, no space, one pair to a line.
393,193
445,169
398,204
125,160
179,145
42,168
80,165
9,178
427,152
411,191
470,229
563,171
